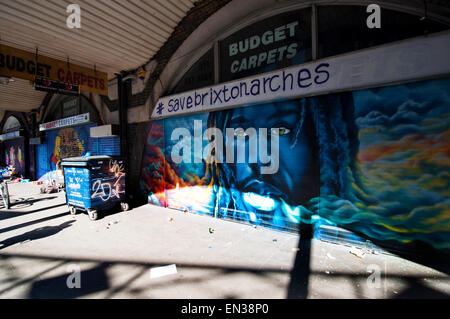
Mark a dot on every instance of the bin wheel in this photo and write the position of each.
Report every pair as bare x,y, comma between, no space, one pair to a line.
124,206
72,210
93,214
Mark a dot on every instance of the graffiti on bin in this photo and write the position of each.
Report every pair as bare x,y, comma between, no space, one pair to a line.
107,190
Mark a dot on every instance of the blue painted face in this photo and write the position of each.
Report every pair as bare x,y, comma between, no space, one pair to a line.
290,185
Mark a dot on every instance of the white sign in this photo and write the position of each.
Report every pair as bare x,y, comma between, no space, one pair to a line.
68,121
405,61
10,135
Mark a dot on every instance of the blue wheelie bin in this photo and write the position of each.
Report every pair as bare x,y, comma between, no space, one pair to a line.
94,183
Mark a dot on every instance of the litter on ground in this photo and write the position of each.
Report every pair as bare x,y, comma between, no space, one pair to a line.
357,252
163,271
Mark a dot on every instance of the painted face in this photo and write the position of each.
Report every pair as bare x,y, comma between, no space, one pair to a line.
290,184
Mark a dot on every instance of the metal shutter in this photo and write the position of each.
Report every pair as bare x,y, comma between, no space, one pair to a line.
105,145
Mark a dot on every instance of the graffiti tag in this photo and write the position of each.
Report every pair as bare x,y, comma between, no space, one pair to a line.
108,190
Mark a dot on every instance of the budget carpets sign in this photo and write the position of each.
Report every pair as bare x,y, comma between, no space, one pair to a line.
69,121
409,60
24,65
273,43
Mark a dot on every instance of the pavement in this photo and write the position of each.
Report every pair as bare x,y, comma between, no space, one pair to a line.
154,252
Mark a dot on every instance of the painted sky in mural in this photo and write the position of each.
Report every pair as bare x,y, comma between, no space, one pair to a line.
404,154
374,161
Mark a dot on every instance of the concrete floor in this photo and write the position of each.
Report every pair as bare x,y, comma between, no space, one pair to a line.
43,248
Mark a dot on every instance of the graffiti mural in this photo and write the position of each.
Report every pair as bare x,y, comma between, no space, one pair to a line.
68,143
372,161
14,155
59,144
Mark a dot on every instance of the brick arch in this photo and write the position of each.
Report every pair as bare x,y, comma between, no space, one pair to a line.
20,116
48,106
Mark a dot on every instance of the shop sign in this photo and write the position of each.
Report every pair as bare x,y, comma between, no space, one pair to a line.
69,121
24,65
407,61
274,43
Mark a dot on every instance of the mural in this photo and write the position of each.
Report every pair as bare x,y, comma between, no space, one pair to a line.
14,156
59,144
372,161
68,143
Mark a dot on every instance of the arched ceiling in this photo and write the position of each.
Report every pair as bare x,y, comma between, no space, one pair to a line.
115,35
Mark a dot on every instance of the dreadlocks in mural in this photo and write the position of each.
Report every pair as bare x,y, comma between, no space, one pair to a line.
242,190
373,161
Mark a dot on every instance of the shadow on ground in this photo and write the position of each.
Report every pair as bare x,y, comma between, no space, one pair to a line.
33,222
71,285
301,274
35,234
96,279
20,203
23,203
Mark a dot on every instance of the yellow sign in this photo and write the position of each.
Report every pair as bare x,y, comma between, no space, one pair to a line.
24,65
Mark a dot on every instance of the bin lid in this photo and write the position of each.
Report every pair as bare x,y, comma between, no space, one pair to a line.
84,160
